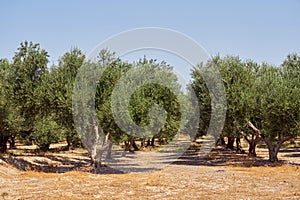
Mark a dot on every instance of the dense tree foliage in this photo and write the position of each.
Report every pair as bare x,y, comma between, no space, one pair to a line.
262,101
37,105
118,74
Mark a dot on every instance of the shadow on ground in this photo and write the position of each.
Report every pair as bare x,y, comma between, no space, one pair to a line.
60,163
222,156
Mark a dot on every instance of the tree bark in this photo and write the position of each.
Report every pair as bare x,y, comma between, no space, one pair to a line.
135,147
142,142
272,148
255,139
162,141
223,143
108,156
238,145
69,144
252,148
148,143
230,142
3,142
45,147
127,145
109,144
153,141
12,141
93,145
106,146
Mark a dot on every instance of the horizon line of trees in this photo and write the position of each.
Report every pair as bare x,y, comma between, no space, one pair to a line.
263,101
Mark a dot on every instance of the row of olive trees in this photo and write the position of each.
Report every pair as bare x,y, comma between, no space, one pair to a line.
262,101
36,101
112,74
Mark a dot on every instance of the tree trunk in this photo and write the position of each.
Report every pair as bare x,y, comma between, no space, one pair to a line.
91,141
252,151
108,145
45,147
148,143
252,148
222,140
69,145
273,155
238,145
230,142
273,148
153,141
142,142
3,143
108,156
12,141
127,145
255,139
94,143
162,141
133,144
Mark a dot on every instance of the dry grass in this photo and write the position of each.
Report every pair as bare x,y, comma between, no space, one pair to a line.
173,182
223,175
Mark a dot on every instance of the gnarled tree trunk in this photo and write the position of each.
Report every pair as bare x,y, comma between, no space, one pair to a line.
273,148
106,146
255,139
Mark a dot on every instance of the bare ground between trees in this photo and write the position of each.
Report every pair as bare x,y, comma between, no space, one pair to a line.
222,174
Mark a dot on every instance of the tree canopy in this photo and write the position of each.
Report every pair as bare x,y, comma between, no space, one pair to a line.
260,97
37,104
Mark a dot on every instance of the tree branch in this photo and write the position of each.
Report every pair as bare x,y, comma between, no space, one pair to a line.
256,130
245,136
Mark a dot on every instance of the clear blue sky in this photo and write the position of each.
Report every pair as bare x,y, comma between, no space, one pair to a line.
259,30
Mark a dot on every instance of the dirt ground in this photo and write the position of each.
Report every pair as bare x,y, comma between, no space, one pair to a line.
222,174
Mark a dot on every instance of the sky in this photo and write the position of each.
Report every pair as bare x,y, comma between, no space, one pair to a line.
264,31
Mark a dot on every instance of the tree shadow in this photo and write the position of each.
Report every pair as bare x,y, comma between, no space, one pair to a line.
39,165
290,150
79,161
222,156
295,155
